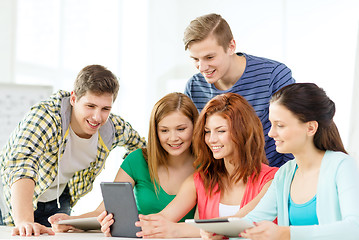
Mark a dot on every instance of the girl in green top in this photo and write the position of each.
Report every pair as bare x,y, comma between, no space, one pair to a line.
156,172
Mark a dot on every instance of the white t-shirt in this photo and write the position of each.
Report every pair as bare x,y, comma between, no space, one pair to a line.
78,155
228,210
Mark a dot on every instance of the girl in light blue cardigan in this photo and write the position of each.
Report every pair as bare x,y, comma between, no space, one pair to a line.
316,195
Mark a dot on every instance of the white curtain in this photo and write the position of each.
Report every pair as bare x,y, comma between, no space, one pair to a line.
353,146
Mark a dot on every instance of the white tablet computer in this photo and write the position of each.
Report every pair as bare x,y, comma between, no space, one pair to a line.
230,227
90,223
119,200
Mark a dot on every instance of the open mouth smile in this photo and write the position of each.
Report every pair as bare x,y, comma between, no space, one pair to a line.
175,145
216,148
209,74
94,125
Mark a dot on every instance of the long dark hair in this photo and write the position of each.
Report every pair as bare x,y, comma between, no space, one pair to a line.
310,103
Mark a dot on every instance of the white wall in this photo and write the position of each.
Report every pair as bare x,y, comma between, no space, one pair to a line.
7,29
49,41
353,143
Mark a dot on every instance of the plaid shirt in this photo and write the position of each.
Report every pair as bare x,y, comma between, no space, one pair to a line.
32,150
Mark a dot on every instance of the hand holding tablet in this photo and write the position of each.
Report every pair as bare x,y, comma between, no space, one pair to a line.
119,200
90,223
230,227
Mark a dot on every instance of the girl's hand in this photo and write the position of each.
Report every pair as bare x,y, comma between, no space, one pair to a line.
267,230
211,236
29,229
156,226
60,227
106,221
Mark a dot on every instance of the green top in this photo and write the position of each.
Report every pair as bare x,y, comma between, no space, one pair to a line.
147,201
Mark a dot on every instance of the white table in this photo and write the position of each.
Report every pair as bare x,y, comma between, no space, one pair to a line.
5,233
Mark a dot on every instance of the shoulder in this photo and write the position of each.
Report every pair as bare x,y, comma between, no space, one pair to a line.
135,157
267,172
134,160
197,80
198,181
261,60
196,77
117,124
55,102
338,161
60,95
285,170
136,166
266,65
287,166
197,84
197,177
49,112
56,108
116,119
336,156
278,73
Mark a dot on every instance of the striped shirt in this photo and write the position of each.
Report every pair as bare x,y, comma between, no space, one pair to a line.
39,141
261,79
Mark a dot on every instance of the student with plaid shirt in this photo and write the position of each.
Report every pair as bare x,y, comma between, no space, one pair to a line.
55,153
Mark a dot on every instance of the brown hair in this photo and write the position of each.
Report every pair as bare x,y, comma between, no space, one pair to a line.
96,79
206,25
155,154
309,102
247,135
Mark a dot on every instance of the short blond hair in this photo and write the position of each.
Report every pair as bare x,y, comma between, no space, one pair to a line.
206,25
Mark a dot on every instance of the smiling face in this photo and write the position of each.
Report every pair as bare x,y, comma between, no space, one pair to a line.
89,113
211,59
290,134
218,137
175,133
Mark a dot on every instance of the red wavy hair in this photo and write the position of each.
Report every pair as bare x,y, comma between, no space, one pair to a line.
247,135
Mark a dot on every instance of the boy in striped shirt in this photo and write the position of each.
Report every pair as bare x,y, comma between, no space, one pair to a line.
210,43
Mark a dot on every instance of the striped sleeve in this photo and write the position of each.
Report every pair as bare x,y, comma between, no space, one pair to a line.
281,76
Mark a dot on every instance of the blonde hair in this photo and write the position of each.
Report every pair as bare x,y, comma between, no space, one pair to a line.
206,25
155,154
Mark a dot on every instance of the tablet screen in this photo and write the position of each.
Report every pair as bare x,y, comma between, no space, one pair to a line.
119,200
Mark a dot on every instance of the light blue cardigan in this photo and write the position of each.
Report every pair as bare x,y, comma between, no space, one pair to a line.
337,200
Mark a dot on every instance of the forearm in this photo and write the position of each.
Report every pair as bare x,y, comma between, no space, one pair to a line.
22,192
284,233
184,201
94,213
184,230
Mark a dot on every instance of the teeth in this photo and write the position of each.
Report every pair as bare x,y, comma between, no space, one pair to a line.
94,125
215,148
208,73
174,145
